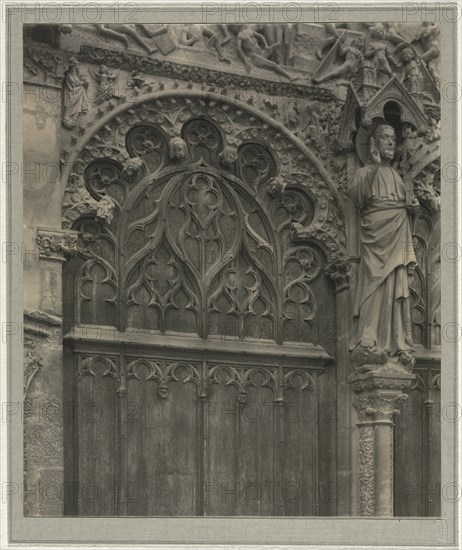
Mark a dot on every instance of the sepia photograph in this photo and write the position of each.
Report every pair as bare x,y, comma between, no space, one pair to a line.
232,264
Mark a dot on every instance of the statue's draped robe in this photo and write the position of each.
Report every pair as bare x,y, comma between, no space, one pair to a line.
74,98
382,304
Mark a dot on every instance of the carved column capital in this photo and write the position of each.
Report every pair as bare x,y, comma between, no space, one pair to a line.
372,406
57,245
339,271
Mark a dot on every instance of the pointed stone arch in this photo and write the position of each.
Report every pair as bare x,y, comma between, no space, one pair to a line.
297,165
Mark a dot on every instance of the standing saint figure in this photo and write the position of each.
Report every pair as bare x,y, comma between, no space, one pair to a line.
74,88
382,306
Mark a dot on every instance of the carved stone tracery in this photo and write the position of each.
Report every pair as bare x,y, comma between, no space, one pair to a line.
240,272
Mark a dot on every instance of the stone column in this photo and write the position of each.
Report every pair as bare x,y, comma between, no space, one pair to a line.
339,272
377,389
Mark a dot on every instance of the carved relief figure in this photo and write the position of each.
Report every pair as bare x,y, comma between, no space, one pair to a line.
377,49
74,87
353,60
137,81
382,305
190,34
283,35
331,30
252,47
428,36
121,31
105,80
409,145
412,78
105,209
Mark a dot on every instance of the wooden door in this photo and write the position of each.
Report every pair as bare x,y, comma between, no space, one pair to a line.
201,339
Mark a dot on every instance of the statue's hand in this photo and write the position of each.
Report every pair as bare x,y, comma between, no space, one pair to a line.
375,156
413,208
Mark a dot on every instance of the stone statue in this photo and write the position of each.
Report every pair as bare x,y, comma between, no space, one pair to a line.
383,329
74,88
428,36
252,47
377,49
105,80
190,34
412,75
353,54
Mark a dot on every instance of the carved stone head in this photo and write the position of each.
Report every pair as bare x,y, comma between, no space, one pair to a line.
383,142
228,156
407,55
178,149
378,31
133,169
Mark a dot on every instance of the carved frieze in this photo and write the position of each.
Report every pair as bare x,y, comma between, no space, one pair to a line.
189,73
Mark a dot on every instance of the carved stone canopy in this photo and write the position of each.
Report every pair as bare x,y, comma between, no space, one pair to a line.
358,112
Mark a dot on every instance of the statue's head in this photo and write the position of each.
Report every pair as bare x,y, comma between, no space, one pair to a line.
407,55
357,43
378,31
178,149
384,141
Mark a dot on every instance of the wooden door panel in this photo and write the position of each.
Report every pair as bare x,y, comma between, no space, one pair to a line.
299,487
241,470
162,461
97,432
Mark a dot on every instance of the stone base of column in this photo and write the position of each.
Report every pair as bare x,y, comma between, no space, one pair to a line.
377,388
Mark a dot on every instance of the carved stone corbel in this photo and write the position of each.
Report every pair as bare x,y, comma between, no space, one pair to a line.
57,245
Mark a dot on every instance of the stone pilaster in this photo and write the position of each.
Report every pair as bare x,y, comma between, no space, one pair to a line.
339,272
377,389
